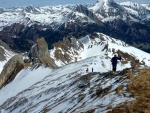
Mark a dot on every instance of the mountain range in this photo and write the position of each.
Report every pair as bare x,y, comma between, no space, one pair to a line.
127,21
57,59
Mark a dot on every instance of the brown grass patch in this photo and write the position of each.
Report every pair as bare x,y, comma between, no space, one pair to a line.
139,87
118,110
46,110
119,89
27,64
61,45
90,111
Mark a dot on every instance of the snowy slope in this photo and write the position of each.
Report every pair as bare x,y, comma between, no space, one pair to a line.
7,54
67,89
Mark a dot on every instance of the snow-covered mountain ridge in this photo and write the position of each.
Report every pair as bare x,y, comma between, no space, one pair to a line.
71,87
50,15
99,44
137,9
30,15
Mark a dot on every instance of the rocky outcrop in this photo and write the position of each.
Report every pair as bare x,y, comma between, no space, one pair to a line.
11,69
2,52
39,53
68,50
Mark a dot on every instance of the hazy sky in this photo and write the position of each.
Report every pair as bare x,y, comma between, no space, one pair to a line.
14,3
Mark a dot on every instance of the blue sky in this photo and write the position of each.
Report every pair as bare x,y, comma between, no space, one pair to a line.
14,3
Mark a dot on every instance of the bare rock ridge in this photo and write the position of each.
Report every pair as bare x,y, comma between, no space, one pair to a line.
11,69
39,53
2,52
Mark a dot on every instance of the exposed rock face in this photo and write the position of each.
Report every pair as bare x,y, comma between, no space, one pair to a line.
4,45
10,70
2,57
40,53
68,50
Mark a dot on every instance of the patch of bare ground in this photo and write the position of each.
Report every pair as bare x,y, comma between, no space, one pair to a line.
27,64
139,87
90,111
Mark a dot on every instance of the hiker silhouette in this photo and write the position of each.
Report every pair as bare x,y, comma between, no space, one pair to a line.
87,70
114,62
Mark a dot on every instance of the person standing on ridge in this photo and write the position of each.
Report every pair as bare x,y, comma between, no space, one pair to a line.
114,62
87,70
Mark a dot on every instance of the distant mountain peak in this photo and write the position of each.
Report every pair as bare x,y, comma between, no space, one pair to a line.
108,1
108,8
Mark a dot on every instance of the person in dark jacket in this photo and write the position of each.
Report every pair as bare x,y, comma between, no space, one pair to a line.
114,62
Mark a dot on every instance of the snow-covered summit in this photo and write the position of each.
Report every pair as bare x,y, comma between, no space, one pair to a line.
102,3
108,1
110,10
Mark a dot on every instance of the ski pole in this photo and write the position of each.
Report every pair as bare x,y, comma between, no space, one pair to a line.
110,67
